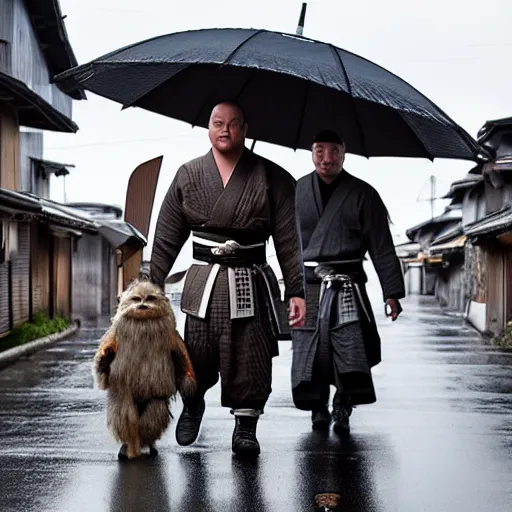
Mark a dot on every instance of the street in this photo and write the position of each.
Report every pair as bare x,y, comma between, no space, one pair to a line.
439,438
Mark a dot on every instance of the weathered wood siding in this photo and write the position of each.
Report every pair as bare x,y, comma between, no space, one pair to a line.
20,277
4,298
450,287
495,289
87,277
108,279
9,148
62,275
27,61
40,262
94,278
31,145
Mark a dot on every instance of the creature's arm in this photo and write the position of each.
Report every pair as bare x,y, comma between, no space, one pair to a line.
185,375
104,357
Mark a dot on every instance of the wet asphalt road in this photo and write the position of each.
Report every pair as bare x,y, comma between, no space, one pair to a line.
439,439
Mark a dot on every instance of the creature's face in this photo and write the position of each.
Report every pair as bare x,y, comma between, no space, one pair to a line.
143,300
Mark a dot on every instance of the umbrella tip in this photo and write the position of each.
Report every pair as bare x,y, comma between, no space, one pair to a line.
302,17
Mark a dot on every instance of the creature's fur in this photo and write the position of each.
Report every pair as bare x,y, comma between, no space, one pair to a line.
143,363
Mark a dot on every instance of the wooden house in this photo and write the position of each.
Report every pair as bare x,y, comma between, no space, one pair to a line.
471,257
488,226
35,265
36,271
99,259
411,260
424,234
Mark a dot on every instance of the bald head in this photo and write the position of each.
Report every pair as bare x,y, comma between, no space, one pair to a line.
227,127
234,108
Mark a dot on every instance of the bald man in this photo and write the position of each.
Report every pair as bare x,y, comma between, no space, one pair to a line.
231,201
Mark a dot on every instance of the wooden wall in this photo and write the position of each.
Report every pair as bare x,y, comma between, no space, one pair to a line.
20,277
40,256
62,275
94,278
5,323
9,148
31,145
27,60
495,289
87,276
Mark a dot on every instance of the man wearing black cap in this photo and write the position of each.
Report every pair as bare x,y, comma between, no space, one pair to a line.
340,218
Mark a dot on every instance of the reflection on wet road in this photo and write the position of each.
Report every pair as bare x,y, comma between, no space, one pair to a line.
439,438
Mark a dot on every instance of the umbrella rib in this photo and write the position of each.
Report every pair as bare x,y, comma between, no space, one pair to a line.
337,58
247,39
196,117
206,101
428,153
303,110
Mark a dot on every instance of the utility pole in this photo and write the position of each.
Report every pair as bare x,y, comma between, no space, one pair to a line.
432,198
302,17
432,195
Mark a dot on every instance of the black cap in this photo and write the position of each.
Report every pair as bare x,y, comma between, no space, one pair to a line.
328,136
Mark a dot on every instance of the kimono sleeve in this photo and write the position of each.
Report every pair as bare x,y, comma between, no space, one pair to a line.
285,232
171,233
378,240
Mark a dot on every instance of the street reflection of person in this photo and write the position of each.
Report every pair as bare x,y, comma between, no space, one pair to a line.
232,201
340,218
343,468
140,486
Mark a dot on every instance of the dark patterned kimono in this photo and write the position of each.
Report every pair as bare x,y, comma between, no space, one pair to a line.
339,343
232,300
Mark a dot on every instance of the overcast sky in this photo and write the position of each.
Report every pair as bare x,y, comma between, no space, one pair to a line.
454,52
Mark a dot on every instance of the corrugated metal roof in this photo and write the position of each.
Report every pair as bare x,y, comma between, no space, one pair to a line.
493,223
17,201
116,231
469,181
448,234
406,250
487,129
48,166
448,216
454,243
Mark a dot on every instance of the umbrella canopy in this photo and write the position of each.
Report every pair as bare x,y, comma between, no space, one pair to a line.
290,87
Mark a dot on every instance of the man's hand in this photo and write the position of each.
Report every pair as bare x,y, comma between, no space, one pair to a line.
393,309
296,312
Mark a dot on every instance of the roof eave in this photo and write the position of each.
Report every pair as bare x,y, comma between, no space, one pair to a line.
34,111
48,23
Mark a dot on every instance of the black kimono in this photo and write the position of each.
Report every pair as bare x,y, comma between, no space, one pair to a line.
232,299
339,343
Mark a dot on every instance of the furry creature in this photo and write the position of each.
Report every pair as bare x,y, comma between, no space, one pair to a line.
143,363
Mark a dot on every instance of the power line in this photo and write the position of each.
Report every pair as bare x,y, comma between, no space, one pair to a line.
115,142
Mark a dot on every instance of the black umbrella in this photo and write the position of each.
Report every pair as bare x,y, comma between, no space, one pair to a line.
290,87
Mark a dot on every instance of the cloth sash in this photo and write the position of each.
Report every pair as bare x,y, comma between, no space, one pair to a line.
244,262
336,344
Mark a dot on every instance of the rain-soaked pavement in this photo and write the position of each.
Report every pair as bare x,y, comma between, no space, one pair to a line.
439,439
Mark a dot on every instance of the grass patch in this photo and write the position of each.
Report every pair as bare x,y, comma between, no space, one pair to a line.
504,339
40,326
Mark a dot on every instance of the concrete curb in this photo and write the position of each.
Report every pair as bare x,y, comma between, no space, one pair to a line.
11,355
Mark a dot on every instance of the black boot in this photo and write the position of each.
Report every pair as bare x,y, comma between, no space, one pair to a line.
188,425
341,414
320,418
244,436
